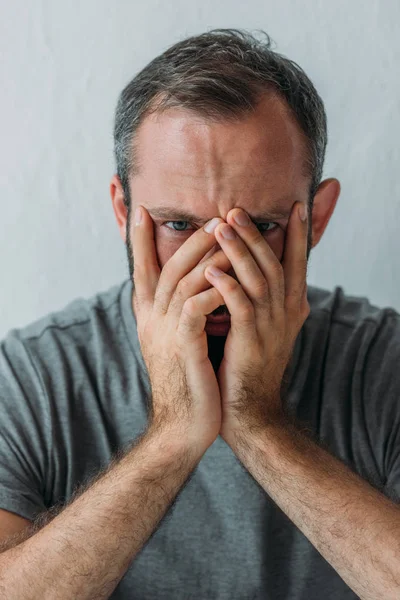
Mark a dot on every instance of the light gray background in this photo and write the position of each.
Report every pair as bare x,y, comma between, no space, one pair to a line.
63,65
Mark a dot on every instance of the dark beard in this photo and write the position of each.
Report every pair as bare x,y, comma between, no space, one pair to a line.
129,245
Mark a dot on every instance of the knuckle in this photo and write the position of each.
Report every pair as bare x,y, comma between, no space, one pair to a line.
190,306
218,295
257,239
168,268
301,266
260,289
219,259
277,271
292,305
246,312
183,287
243,252
231,285
292,297
306,310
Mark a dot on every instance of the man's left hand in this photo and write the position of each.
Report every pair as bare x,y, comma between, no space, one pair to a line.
268,308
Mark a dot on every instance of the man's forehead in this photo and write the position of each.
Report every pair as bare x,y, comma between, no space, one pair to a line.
193,170
265,140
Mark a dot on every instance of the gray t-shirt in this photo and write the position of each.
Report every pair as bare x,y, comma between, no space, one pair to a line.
74,389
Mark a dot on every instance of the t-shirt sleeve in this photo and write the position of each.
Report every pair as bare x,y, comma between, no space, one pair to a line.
24,429
381,383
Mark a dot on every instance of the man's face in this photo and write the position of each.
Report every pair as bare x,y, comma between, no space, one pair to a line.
207,169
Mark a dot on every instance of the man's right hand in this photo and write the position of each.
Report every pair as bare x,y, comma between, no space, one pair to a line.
171,308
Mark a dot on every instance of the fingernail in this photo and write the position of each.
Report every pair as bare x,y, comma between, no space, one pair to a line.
138,216
211,225
228,233
303,212
241,219
215,271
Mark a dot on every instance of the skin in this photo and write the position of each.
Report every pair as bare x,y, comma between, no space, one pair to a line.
256,164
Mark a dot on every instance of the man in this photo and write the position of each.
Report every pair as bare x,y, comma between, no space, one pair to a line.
185,435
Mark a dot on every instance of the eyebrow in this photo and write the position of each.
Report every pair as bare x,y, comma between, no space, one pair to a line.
172,214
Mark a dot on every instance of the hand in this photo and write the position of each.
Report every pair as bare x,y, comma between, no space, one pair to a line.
171,311
268,309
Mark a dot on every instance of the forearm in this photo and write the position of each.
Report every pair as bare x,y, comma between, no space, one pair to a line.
354,526
86,549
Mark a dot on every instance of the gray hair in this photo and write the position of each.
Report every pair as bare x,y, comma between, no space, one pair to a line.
220,75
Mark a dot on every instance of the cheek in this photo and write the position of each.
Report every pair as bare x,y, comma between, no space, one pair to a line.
165,247
277,243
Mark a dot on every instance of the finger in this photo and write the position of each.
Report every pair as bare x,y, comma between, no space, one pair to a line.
244,265
182,262
263,254
239,305
147,272
295,257
254,262
194,282
194,313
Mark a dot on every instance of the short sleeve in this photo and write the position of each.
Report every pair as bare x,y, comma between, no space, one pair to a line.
381,391
24,429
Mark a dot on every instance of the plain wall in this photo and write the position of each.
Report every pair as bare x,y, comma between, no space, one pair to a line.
63,65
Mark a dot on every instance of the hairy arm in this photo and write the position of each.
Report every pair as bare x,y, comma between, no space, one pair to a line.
84,550
354,526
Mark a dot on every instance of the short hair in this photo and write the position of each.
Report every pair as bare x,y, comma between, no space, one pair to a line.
221,75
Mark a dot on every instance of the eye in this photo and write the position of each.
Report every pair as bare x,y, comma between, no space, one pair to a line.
270,226
180,222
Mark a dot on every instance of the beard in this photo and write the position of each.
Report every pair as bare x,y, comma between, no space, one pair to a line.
129,248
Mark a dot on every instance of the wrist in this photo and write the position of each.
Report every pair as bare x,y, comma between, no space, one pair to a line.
239,431
174,443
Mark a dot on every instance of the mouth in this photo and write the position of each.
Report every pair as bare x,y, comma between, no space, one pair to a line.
221,310
219,315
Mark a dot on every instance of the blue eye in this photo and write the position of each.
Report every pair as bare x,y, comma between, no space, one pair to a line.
275,225
270,226
176,222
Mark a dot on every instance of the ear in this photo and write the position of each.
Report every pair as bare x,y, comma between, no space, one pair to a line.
324,204
120,210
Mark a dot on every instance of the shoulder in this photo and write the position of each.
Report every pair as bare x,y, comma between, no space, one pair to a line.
76,313
349,321
349,343
79,314
53,340
346,309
